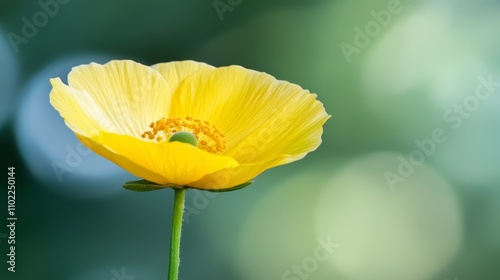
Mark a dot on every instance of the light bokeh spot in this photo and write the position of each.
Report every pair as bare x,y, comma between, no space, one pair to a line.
411,233
50,149
9,72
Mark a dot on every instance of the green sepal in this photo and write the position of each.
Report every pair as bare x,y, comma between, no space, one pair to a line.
235,188
145,186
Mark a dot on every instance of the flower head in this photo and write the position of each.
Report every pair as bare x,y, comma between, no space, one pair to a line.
241,122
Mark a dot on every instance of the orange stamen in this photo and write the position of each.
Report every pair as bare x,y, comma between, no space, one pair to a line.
210,138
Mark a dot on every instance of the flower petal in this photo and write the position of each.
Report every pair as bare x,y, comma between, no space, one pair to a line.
233,176
162,163
129,94
176,71
80,113
263,119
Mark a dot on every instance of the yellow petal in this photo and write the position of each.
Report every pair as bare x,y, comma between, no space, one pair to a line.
233,176
79,111
262,118
176,71
163,163
130,95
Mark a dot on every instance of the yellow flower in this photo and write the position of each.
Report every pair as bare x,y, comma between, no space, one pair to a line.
245,121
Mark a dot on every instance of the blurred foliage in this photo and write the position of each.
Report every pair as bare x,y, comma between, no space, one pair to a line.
441,222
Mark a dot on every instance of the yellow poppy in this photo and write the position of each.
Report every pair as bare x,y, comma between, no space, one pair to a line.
244,121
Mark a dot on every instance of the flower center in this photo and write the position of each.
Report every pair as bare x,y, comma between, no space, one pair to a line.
209,137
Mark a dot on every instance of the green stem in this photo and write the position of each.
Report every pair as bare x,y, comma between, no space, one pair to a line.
175,237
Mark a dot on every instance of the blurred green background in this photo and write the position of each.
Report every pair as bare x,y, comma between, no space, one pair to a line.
405,184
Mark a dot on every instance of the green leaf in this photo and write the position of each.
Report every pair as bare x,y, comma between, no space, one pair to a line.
143,186
238,187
